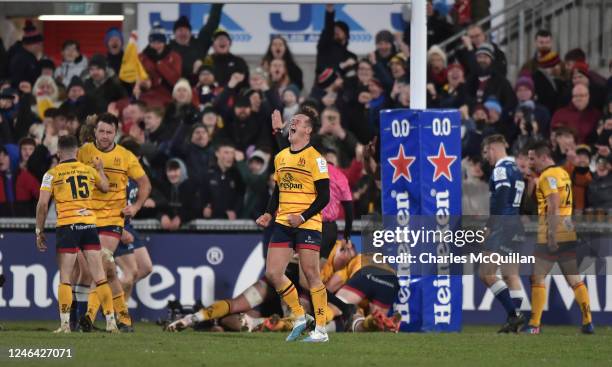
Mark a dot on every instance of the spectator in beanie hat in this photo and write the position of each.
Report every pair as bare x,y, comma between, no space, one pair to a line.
24,64
113,40
577,55
76,101
547,81
580,75
191,48
163,66
487,82
525,93
47,67
225,63
332,51
102,86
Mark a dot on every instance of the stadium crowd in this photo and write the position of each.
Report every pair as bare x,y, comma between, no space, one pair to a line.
200,120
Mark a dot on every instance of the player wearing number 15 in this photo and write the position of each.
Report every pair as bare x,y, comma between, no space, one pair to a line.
72,184
556,242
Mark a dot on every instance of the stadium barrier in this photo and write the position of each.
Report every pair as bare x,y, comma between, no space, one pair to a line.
219,259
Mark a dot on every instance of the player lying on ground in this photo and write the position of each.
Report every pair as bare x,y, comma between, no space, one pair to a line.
556,238
71,183
261,295
504,230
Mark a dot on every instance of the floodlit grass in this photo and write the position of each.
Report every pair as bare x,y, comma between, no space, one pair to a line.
149,346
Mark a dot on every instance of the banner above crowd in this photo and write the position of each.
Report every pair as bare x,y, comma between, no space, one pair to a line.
251,26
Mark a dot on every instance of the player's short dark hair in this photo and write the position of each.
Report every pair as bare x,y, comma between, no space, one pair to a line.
541,148
543,33
108,118
67,142
494,139
312,115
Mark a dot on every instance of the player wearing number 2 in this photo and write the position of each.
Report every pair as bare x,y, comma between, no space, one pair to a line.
72,183
504,229
556,241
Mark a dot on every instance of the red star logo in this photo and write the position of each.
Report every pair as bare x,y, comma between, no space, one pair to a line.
442,163
401,165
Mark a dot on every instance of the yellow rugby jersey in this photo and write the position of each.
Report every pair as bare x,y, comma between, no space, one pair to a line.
328,268
72,185
346,272
552,180
295,175
119,165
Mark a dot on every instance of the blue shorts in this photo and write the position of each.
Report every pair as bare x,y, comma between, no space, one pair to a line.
295,238
505,238
379,286
128,248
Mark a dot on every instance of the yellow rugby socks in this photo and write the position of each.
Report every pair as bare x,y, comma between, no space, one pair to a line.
289,294
538,299
319,305
214,311
582,299
93,304
104,297
64,295
121,309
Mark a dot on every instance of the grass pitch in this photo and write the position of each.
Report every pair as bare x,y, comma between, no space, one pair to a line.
149,346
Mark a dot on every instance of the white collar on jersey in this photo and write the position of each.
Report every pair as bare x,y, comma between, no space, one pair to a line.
505,159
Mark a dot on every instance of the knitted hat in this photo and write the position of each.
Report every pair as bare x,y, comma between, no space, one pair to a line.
525,81
98,60
326,78
8,93
436,50
292,88
45,63
111,33
384,36
182,21
221,32
75,82
486,49
243,101
455,65
549,60
157,34
575,54
584,149
399,58
181,83
206,67
493,104
31,35
345,28
582,67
